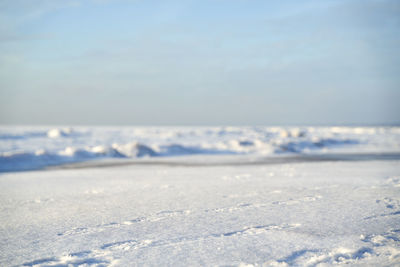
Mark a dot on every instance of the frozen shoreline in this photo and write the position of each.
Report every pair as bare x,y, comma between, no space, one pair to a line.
213,161
306,214
32,148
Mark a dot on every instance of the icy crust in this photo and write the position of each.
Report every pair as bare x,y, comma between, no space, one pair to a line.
309,214
23,148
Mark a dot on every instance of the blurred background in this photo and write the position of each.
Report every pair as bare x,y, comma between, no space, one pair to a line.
200,62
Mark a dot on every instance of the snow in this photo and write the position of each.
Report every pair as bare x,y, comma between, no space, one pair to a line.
56,133
200,196
29,148
282,214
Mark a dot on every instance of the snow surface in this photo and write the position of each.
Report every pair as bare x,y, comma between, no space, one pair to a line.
244,196
303,214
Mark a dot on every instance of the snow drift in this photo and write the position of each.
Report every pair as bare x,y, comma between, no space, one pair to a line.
26,148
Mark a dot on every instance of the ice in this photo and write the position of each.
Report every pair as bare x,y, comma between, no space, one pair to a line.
56,133
24,148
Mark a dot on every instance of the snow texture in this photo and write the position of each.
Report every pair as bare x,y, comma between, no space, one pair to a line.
302,214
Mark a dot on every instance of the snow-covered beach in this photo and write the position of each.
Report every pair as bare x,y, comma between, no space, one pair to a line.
190,196
199,133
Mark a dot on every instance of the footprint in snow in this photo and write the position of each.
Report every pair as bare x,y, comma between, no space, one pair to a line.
298,201
102,255
102,227
390,203
84,258
393,181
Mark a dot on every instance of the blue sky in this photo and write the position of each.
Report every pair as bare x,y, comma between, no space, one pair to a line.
237,62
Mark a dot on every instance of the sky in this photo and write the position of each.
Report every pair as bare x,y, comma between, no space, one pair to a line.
199,62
